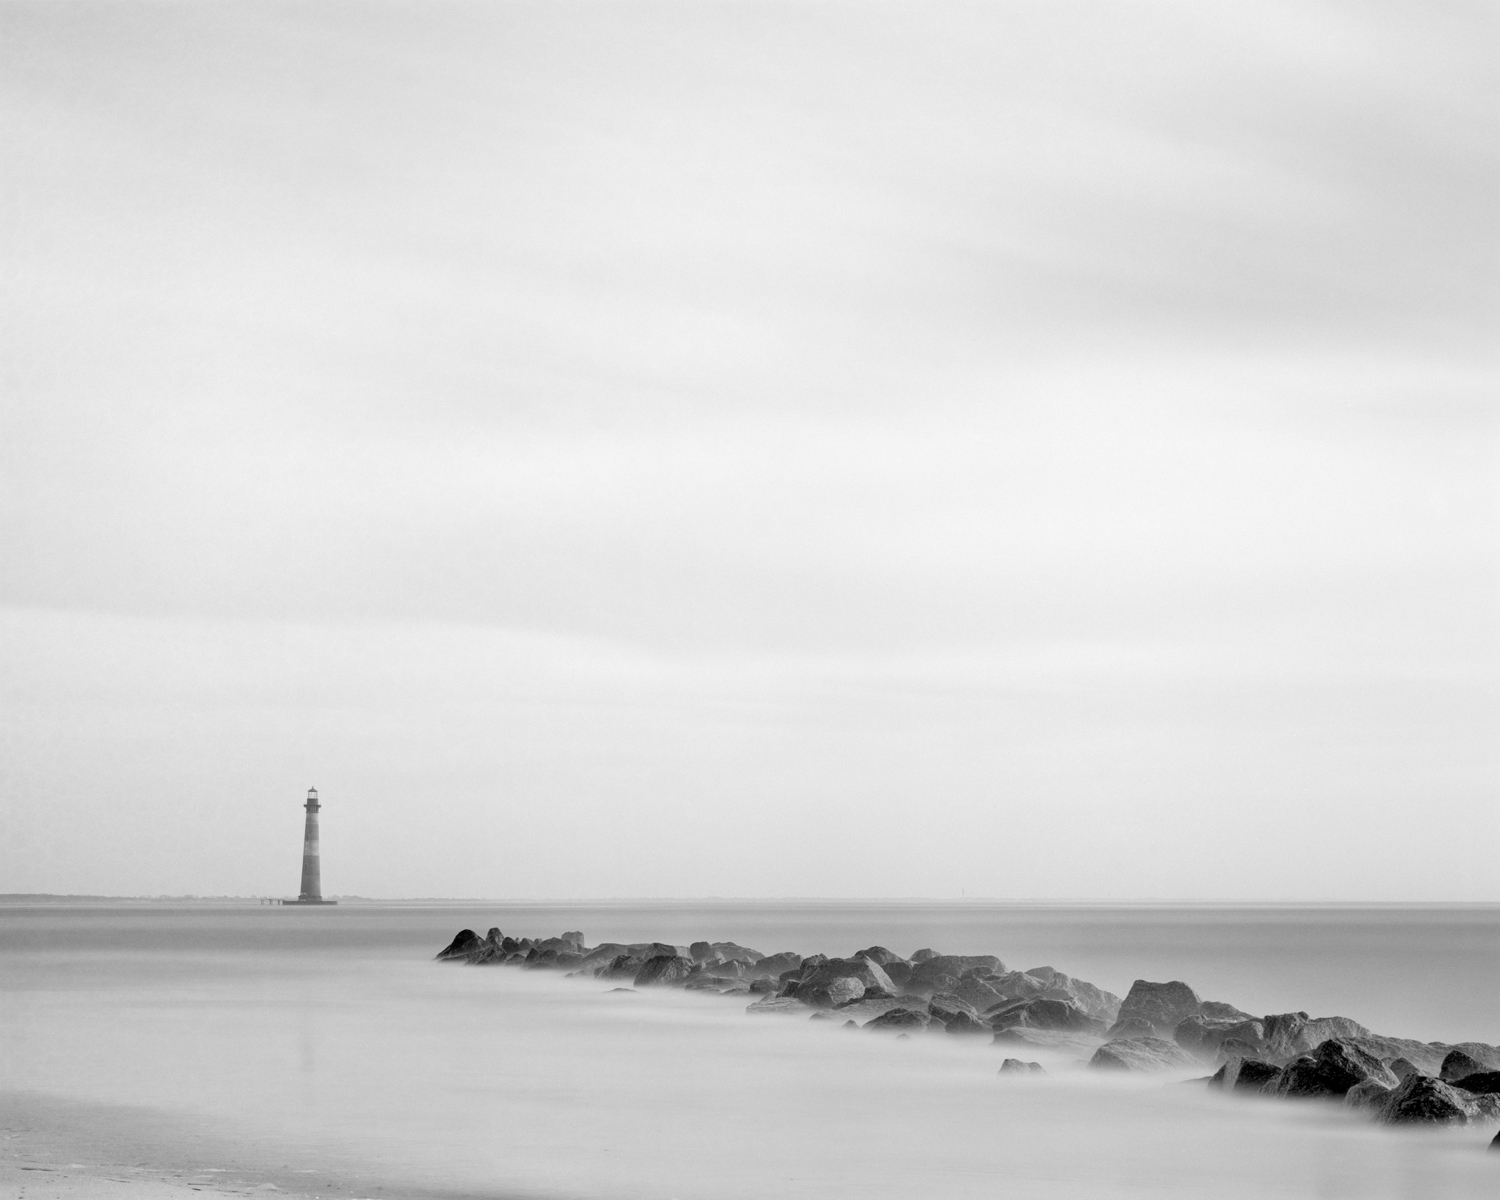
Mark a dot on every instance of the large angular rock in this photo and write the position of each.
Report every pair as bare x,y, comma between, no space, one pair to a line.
1203,1035
898,972
1289,1035
775,964
1162,1006
942,972
1093,1000
817,985
664,969
1481,1083
734,952
1368,1094
1142,1054
831,993
1244,1075
1041,1013
962,1022
878,954
922,956
1014,1066
772,1006
464,942
1458,1063
900,1020
1423,1100
1331,1070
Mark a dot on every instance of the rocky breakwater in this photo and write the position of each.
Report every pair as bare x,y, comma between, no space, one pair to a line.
1158,1027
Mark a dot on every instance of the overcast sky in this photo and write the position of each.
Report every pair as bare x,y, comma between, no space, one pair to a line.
1031,449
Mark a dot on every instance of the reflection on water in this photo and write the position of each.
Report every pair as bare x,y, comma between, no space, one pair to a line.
332,1031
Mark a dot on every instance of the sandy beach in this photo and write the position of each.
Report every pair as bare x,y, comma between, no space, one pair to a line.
56,1149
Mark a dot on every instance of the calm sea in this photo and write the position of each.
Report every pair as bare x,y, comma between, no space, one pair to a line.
328,1035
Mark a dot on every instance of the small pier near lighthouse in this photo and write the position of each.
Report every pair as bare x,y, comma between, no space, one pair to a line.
312,870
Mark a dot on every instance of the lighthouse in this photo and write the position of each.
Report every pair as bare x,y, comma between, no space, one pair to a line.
312,875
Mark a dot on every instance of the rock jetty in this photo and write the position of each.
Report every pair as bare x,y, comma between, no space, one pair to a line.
1158,1027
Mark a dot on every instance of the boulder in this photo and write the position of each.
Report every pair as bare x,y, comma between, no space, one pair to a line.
1331,1070
900,1019
944,1006
879,954
664,969
1131,1027
1203,1035
922,956
773,1005
1014,1066
763,985
1456,1064
1402,1068
703,983
1427,1057
464,942
1163,1006
1042,1013
831,993
815,983
1244,1075
1368,1094
775,964
898,971
1481,1083
942,972
622,966
1093,1000
701,951
1289,1035
1423,1100
962,1022
1217,1010
1141,1054
734,952
730,969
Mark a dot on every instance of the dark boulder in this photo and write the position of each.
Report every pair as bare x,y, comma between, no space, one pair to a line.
922,956
1163,1006
622,966
962,1022
701,951
1042,1013
1423,1100
1401,1068
664,969
1244,1075
813,960
1481,1083
762,985
1014,1066
900,1018
1457,1064
1142,1054
464,942
878,954
1331,1070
